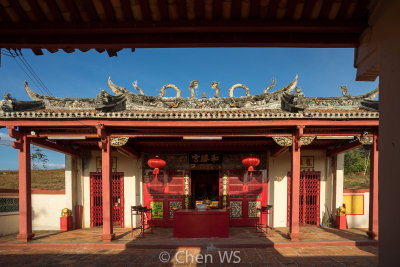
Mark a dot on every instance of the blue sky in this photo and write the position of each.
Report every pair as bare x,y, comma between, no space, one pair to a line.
321,73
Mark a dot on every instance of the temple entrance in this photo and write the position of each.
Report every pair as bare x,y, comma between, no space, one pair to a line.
96,201
309,198
204,187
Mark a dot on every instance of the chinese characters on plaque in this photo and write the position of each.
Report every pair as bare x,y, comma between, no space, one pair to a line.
205,158
307,162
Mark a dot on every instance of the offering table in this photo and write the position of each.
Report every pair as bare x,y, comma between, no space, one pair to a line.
201,224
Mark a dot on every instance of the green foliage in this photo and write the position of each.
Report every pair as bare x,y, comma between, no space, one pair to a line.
357,161
38,158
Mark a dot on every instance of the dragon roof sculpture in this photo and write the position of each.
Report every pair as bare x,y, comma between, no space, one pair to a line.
288,99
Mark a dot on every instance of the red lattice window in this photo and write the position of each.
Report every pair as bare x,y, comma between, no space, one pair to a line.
96,201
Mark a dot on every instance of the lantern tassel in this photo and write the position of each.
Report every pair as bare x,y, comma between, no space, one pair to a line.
156,171
251,169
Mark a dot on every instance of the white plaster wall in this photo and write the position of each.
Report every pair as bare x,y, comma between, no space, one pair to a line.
359,221
9,223
278,167
46,211
132,170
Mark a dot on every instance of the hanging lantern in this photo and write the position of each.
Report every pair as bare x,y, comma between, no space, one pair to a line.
250,162
156,163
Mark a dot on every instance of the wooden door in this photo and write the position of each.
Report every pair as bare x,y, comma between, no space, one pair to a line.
245,194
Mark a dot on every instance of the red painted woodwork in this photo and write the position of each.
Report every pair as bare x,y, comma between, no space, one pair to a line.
190,124
243,189
78,216
201,224
309,198
343,148
55,147
66,223
373,225
167,188
96,205
295,183
250,162
341,222
25,206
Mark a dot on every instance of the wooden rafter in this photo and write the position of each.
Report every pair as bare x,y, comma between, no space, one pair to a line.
129,151
343,148
326,8
144,5
181,7
37,11
109,10
254,9
278,150
55,147
91,10
163,8
73,10
126,10
272,7
344,7
55,11
23,17
307,10
217,9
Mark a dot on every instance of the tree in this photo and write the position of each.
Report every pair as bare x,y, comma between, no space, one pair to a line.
356,161
38,158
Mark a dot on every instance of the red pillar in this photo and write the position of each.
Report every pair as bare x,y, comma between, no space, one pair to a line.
25,206
373,191
107,190
295,185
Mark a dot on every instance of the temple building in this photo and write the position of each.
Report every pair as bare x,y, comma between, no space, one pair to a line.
279,148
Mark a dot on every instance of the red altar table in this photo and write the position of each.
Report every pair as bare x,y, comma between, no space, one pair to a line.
200,224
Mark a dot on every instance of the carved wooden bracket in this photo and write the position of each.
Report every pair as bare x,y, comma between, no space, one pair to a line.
366,140
287,140
13,133
119,141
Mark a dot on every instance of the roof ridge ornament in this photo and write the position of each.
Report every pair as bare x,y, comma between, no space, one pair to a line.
273,83
239,85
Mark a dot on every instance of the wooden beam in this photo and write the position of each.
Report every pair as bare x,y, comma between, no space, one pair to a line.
352,124
181,40
37,10
254,9
127,150
343,148
91,10
165,27
126,10
55,11
361,10
278,150
217,9
291,8
326,9
144,6
308,8
4,15
272,7
181,7
163,8
109,10
199,9
344,7
19,11
73,10
236,9
55,147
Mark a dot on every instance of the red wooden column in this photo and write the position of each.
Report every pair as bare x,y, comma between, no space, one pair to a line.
106,168
24,171
373,191
295,185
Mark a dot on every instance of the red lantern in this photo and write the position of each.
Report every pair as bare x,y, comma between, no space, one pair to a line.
156,163
250,162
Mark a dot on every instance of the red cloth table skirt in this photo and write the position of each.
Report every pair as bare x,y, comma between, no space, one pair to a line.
201,224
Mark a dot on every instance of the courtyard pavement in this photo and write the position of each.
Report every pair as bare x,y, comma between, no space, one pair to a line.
284,256
84,247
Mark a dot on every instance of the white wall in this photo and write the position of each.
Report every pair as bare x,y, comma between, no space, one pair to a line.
46,211
359,221
132,170
278,167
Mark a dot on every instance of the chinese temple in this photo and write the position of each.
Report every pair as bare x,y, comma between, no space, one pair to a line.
279,149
